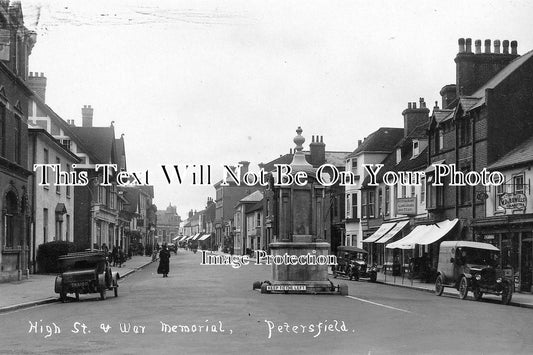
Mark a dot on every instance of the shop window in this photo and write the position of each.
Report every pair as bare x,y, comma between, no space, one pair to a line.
380,202
364,205
348,204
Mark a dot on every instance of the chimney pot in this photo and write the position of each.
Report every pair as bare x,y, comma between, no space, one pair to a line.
478,46
487,46
87,116
408,105
497,46
414,105
321,139
468,48
514,47
312,139
461,45
359,142
505,47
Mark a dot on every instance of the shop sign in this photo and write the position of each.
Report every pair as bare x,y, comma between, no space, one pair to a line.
514,201
488,236
406,206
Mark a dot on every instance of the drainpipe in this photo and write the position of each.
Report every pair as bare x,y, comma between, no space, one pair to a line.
34,201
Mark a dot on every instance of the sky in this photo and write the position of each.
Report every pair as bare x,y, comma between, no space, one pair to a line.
218,82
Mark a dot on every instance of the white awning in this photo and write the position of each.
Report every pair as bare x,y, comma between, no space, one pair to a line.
383,229
196,236
204,237
175,238
425,235
408,242
437,232
393,232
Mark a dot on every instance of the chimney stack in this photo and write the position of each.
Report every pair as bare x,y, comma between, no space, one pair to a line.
448,94
473,70
414,117
87,116
318,151
37,84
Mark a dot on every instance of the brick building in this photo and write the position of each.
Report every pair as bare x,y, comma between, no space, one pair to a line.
16,43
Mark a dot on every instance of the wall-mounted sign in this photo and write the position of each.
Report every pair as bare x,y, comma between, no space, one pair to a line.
406,206
515,201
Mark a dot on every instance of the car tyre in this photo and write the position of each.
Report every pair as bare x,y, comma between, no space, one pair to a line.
507,294
477,294
439,286
463,288
373,277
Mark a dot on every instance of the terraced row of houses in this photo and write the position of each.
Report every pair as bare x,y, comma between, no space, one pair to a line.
35,211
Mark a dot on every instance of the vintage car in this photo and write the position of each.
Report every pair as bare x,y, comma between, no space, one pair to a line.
351,262
472,266
85,272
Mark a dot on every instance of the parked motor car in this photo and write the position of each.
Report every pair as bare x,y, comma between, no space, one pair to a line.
172,247
85,272
351,262
472,266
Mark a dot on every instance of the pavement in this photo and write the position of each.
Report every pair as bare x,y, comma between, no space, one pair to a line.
39,289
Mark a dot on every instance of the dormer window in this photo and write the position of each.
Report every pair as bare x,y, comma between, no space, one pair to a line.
416,148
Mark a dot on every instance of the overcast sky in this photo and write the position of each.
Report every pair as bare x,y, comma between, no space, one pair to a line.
217,82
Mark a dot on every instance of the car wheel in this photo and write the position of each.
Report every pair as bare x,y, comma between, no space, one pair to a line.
373,277
102,293
439,286
507,294
477,294
463,288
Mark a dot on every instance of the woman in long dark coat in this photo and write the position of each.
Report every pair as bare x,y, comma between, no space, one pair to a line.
164,258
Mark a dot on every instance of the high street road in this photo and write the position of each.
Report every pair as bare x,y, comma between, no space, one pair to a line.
213,309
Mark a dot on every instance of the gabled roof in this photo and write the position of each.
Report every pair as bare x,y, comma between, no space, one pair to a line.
520,155
442,115
99,142
253,197
381,141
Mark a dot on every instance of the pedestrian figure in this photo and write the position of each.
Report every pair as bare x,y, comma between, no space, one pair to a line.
164,258
120,257
114,255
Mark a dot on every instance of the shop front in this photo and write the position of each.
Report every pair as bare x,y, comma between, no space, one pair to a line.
513,235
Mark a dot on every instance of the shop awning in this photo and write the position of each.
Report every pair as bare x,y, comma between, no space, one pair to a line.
425,235
196,236
176,238
393,232
382,230
204,237
408,242
437,232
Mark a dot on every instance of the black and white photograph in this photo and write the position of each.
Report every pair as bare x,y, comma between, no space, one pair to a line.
266,177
